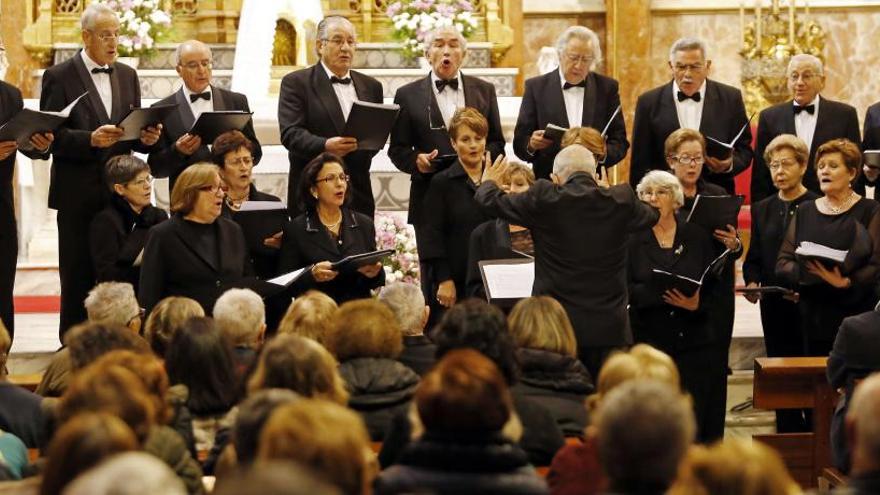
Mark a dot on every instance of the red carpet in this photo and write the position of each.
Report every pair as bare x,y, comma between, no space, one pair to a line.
37,304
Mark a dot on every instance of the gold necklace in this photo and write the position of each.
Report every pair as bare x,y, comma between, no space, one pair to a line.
333,225
836,210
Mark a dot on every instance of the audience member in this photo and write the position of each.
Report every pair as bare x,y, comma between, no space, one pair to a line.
274,478
252,416
21,411
166,319
13,457
408,305
863,433
114,303
309,315
241,316
129,473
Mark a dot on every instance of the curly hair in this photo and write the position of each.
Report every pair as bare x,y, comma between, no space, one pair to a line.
364,328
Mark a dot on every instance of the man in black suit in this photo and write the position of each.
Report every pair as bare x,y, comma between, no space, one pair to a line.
584,269
572,96
179,149
84,143
870,141
10,104
814,119
408,305
691,100
314,104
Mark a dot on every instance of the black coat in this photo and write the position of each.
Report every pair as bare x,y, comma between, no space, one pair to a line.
380,389
724,114
446,464
418,353
306,242
834,120
580,232
413,134
559,383
308,114
166,161
870,141
543,104
489,241
116,238
265,263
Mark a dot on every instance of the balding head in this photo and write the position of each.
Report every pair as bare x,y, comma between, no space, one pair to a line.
193,60
571,159
863,425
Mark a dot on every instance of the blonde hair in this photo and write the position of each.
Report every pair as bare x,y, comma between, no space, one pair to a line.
309,316
791,142
516,168
641,361
364,328
5,346
540,322
681,136
587,137
167,318
472,119
188,183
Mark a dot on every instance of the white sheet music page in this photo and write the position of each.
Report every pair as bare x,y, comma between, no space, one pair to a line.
510,281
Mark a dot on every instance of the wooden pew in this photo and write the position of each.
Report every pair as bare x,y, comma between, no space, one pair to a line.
798,383
28,381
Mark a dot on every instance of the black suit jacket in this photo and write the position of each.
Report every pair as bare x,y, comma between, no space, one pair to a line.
166,161
724,114
580,232
834,120
308,114
489,241
77,176
413,134
543,104
870,140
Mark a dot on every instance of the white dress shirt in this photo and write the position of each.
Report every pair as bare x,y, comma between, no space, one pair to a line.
345,93
201,104
102,82
449,100
574,102
690,112
870,192
805,124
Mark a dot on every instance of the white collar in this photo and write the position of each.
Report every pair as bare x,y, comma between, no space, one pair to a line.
187,92
91,64
562,80
814,102
702,91
330,73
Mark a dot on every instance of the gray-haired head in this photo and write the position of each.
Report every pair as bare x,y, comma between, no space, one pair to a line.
688,44
862,419
329,21
574,158
408,305
91,14
274,478
661,180
190,45
432,35
241,315
112,303
131,473
122,169
583,33
807,59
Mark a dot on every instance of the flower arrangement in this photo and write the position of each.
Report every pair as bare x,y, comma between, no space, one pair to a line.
392,232
142,24
413,19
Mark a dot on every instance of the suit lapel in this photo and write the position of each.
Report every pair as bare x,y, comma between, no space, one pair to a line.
788,119
436,118
555,101
324,91
825,124
666,109
472,98
706,123
187,239
93,96
116,110
219,99
350,233
320,237
589,106
185,111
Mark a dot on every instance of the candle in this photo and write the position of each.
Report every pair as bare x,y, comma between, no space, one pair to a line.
791,22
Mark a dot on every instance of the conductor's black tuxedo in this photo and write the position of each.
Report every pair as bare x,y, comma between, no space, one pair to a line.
414,134
543,104
724,114
308,114
834,120
166,161
76,187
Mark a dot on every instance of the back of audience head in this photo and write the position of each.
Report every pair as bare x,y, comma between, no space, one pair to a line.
89,341
241,315
326,437
407,303
200,357
733,467
5,347
80,444
253,413
301,365
641,361
574,158
863,425
364,328
309,315
131,473
114,303
541,323
274,478
166,318
643,430
475,324
151,372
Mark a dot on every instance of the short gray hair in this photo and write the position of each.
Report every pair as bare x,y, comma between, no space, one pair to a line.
664,181
332,20
806,58
582,33
91,13
194,43
112,303
788,141
432,35
240,314
122,169
131,473
864,409
687,44
408,305
574,158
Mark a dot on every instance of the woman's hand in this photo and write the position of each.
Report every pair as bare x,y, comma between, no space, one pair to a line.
322,272
675,298
446,293
494,172
728,237
832,277
274,241
754,296
602,178
370,271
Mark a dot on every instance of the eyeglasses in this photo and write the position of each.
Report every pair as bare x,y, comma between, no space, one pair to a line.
687,160
782,163
148,180
579,58
105,37
204,64
333,178
805,77
682,68
654,192
242,160
339,41
213,189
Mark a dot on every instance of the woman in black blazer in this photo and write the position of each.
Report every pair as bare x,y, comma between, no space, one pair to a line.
197,254
329,231
118,233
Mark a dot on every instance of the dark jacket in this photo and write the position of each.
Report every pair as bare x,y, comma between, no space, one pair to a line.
117,236
447,464
308,114
543,104
418,353
380,389
265,260
870,141
580,232
306,241
559,383
861,484
724,114
413,134
169,447
489,241
21,414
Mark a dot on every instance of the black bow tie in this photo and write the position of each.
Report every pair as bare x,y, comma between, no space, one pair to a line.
696,96
195,96
567,85
442,83
340,80
105,70
810,109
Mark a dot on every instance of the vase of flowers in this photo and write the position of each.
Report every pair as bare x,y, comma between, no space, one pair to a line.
142,24
412,20
392,232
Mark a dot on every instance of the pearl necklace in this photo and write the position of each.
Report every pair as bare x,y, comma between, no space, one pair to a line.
836,210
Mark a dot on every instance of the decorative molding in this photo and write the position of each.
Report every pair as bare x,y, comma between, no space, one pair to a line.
549,8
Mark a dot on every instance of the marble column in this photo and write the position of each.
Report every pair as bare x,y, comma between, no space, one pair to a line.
512,16
13,18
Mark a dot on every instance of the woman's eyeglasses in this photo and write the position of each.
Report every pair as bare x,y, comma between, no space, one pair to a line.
213,189
333,178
